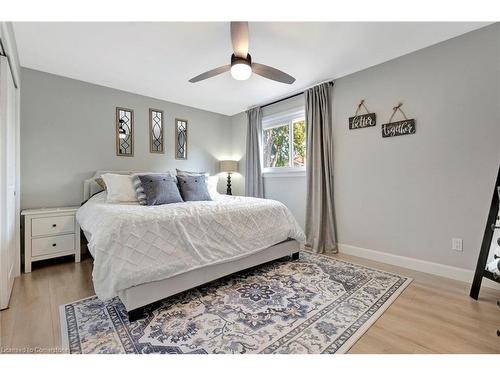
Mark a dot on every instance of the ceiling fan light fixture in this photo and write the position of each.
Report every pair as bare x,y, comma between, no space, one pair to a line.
241,69
241,66
241,72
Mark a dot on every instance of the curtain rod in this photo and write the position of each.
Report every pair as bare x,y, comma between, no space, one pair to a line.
282,99
293,95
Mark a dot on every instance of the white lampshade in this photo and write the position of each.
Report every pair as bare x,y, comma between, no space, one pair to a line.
228,166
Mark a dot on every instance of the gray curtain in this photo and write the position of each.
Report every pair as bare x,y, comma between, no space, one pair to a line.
320,214
254,185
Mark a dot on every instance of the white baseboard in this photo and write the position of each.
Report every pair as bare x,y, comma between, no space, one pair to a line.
455,273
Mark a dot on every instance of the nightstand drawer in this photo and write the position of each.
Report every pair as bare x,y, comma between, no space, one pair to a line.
46,226
52,245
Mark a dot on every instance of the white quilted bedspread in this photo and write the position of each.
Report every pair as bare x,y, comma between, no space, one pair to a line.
134,244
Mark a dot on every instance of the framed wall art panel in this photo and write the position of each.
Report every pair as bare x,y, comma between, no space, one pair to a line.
124,132
156,132
181,139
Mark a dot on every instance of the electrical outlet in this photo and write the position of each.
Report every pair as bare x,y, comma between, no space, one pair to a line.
456,244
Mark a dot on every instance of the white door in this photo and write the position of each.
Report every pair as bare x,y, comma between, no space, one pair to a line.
8,168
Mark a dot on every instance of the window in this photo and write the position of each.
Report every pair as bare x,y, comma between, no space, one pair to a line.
284,142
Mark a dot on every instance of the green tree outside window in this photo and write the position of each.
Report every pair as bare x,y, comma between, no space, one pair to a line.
278,148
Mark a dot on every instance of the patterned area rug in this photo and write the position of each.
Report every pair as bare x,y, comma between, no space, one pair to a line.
314,305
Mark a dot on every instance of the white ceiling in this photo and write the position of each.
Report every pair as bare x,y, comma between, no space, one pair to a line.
157,59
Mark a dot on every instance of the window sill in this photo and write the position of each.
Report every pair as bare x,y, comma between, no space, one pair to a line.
278,174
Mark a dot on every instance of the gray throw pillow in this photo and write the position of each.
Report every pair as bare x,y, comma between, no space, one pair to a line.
160,189
136,183
193,188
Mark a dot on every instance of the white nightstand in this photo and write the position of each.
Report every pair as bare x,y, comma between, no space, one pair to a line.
50,233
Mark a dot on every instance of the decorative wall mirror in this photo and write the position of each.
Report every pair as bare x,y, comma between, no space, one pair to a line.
156,142
181,138
124,132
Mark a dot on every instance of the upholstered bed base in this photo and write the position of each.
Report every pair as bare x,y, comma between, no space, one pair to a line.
140,296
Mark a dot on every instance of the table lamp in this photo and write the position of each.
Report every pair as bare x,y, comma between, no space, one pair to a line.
228,166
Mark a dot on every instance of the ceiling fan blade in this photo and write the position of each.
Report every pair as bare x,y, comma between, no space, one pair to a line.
211,73
239,38
272,73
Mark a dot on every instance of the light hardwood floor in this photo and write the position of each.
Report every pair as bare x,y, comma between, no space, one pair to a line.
433,315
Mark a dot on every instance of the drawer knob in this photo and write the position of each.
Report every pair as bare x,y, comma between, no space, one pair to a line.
54,225
54,245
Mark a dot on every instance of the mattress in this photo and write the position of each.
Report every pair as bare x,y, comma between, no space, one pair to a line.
133,244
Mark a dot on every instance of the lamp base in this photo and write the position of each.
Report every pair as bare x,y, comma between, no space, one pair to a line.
228,190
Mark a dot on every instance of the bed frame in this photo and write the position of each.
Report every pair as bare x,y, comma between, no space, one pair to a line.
138,297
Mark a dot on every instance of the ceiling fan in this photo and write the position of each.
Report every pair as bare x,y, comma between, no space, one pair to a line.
241,66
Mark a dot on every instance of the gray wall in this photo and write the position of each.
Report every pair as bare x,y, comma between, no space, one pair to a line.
410,195
291,191
68,132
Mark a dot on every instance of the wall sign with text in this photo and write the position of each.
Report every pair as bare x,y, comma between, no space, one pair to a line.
394,129
362,121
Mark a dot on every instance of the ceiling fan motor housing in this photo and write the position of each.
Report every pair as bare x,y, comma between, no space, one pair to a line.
239,60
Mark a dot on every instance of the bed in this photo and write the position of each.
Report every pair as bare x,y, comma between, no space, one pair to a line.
144,254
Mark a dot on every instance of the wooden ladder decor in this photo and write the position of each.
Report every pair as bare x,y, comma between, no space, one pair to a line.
486,244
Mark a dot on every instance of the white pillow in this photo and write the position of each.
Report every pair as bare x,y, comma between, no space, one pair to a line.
189,173
212,186
119,187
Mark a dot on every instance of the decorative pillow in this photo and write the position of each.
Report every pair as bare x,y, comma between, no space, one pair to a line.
188,173
193,188
119,187
100,182
160,189
139,191
212,182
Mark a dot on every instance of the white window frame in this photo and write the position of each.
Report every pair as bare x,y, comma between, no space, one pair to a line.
280,119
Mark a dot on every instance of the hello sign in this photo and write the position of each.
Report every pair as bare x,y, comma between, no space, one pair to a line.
393,129
362,121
